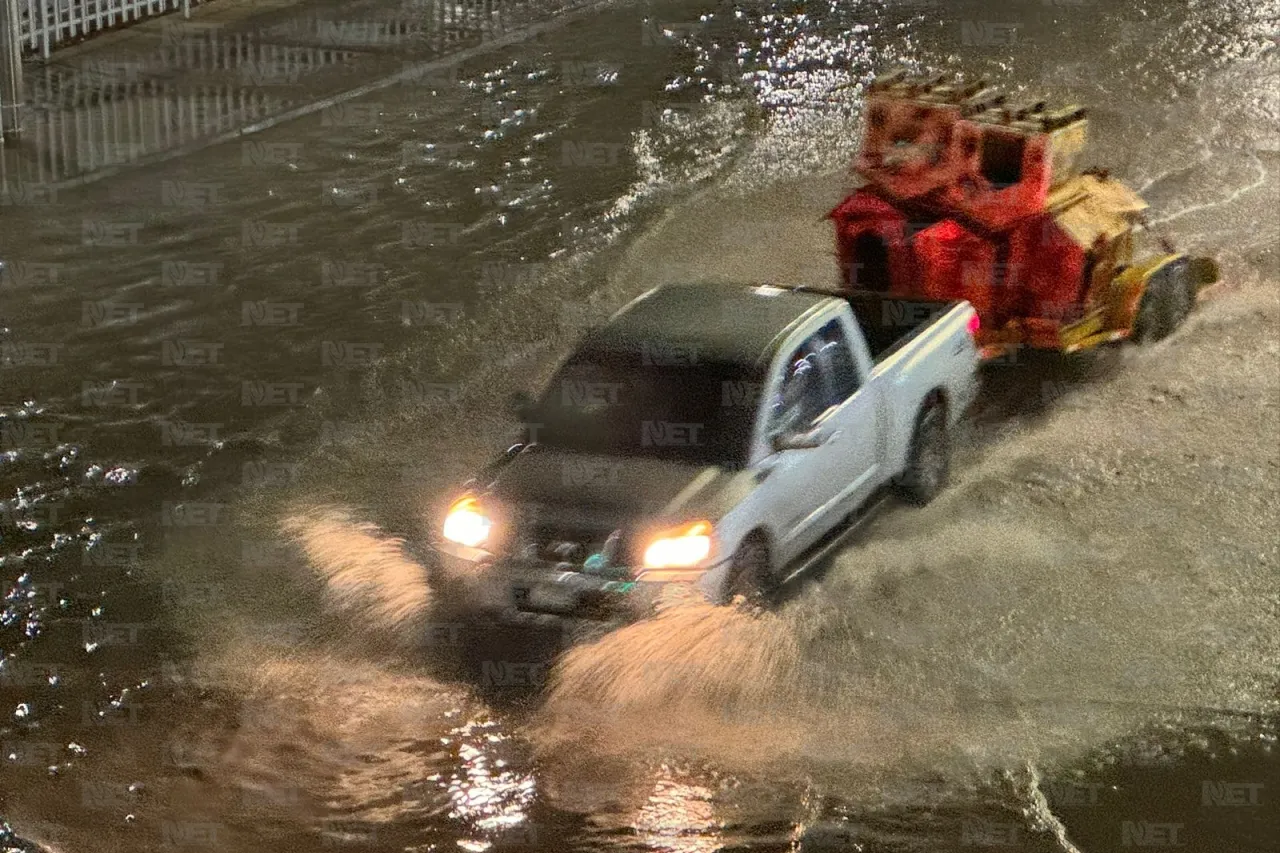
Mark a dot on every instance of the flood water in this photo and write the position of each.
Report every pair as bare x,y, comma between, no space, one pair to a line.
237,384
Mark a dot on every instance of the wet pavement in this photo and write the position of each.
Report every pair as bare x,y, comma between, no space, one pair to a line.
237,383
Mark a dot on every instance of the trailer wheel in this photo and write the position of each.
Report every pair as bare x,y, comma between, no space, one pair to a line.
750,573
929,465
1168,299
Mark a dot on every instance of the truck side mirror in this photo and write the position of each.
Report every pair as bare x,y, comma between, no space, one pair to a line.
519,405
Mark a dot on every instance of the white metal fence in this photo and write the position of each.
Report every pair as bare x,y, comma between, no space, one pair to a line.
119,131
101,114
44,24
96,112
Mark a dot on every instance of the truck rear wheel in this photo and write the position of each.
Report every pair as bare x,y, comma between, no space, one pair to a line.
929,460
1168,299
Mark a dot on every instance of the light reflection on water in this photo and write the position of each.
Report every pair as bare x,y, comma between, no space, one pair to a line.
485,792
679,817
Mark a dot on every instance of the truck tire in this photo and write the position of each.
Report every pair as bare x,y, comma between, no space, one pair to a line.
751,572
929,459
1168,299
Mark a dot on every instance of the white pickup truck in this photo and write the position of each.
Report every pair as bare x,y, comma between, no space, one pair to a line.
725,436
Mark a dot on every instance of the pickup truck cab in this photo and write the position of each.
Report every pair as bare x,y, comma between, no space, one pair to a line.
716,435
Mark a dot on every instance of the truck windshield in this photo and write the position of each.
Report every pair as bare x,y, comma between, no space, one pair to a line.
615,405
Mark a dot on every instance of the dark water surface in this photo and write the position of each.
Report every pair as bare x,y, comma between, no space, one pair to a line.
230,380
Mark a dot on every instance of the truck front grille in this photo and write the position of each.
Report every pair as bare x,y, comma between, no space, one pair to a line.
567,545
560,544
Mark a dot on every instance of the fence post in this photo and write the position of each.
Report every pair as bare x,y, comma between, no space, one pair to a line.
12,92
186,8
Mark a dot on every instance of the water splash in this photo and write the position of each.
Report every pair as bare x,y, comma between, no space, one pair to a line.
688,650
365,571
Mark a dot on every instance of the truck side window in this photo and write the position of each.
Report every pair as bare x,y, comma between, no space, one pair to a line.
837,359
803,395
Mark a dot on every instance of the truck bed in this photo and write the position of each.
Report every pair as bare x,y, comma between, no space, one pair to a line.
889,323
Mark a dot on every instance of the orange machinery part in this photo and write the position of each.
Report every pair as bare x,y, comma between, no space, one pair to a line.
995,207
1034,271
955,263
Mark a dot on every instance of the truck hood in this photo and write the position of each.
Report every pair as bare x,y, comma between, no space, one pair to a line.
612,490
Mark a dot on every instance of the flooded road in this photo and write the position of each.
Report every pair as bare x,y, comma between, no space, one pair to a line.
236,384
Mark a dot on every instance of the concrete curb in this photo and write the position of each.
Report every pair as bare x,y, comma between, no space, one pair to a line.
408,73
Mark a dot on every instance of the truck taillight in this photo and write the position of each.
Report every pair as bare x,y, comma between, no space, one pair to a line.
975,323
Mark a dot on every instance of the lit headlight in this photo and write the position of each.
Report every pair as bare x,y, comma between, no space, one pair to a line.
681,548
467,524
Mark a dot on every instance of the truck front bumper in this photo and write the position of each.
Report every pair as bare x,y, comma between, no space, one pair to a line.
505,583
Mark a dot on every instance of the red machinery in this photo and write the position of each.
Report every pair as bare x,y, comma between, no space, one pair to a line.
965,197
